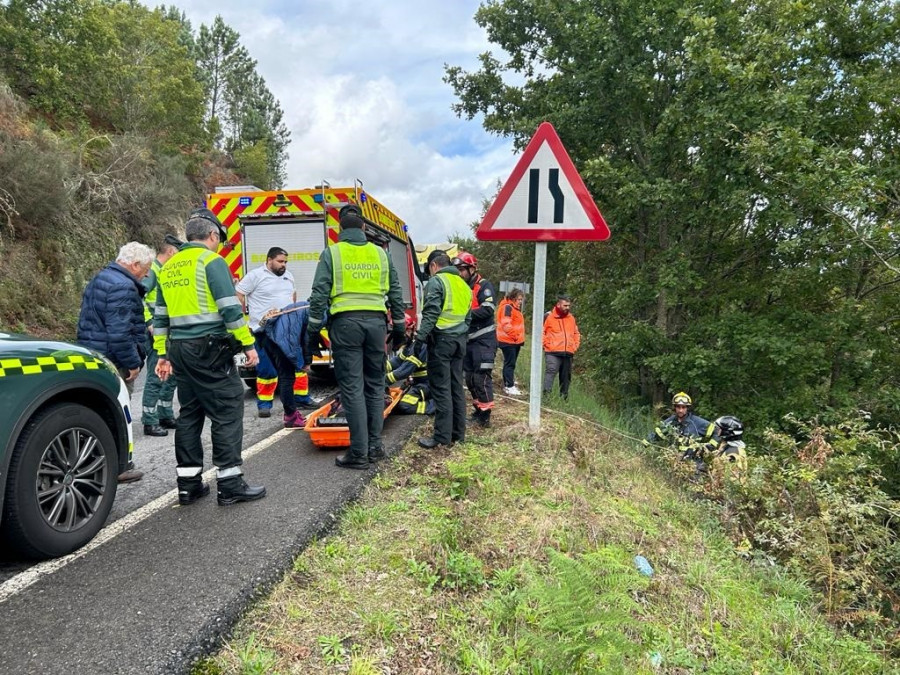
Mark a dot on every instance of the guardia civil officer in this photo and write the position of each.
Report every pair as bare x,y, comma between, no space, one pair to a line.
352,279
446,313
197,328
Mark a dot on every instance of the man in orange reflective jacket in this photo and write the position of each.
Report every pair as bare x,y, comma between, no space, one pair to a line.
561,341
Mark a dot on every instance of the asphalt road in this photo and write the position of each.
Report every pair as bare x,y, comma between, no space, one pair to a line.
162,584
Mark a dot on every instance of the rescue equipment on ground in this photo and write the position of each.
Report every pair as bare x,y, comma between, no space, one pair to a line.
327,426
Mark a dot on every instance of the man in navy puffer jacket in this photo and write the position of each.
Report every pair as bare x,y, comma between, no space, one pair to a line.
112,317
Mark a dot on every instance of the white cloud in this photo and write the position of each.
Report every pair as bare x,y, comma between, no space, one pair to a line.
363,95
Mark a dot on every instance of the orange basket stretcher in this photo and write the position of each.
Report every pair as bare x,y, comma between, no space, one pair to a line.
339,436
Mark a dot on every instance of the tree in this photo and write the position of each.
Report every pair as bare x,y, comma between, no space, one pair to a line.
222,62
50,50
256,120
729,145
149,82
186,32
241,111
116,66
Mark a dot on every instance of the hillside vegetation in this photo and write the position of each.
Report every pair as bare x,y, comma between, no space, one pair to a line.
115,120
744,156
515,553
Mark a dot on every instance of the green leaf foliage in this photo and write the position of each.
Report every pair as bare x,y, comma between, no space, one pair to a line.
242,116
115,66
744,155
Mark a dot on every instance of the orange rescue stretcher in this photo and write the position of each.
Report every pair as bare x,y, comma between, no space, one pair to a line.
327,432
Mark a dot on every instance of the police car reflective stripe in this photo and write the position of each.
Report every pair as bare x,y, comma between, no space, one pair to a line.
48,364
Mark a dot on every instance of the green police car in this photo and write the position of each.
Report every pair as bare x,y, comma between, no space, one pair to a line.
65,435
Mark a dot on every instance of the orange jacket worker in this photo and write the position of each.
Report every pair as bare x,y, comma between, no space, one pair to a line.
511,336
561,341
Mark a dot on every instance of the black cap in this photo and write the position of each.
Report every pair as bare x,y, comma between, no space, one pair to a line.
206,214
349,208
351,220
434,254
172,240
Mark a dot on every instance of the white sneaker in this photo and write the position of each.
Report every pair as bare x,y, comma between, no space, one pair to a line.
512,391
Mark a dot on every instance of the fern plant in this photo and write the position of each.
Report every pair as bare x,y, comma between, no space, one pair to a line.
585,611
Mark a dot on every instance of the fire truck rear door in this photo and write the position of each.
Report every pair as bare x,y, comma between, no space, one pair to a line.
304,240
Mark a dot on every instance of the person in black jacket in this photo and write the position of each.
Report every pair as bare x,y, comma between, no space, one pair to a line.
481,345
112,318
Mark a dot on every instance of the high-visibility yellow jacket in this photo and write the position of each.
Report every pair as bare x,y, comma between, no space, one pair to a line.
322,297
149,284
359,278
447,306
196,298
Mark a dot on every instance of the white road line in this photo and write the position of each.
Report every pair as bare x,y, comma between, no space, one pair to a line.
32,575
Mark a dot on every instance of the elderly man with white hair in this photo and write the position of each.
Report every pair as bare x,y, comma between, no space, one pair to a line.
112,318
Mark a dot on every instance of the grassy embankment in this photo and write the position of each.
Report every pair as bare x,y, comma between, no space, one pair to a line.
513,553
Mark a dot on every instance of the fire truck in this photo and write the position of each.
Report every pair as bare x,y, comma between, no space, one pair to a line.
303,222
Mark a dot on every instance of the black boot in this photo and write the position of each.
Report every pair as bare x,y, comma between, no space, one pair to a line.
349,461
429,443
236,490
482,418
154,430
168,424
189,492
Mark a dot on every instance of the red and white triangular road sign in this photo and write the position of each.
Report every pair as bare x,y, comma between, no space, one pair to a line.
544,198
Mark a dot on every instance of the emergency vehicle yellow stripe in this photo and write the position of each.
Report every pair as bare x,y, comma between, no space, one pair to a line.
228,209
48,364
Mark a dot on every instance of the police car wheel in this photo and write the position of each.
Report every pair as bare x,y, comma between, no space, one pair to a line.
62,482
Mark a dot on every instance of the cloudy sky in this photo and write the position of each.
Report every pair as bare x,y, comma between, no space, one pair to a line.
362,91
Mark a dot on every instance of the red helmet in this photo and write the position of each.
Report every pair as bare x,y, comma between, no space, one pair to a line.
465,260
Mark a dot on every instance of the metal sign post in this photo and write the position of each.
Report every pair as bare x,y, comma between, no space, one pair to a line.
537,336
543,200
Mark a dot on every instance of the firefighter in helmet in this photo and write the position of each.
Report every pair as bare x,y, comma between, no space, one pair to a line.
481,345
683,427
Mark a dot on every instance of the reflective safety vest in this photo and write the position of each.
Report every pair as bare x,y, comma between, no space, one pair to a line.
150,297
183,282
360,278
457,300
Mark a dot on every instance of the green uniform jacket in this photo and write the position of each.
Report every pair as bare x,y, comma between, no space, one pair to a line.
321,288
218,278
433,305
149,284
